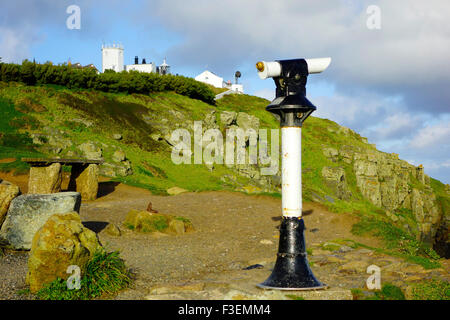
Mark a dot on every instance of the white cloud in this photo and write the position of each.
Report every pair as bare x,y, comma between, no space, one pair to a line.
405,57
268,94
13,45
432,137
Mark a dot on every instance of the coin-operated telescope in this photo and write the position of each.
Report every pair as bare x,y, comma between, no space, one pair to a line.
291,271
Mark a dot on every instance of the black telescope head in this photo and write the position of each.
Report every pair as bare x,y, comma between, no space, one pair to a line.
290,77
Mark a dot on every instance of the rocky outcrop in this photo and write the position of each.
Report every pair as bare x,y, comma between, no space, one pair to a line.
29,212
335,179
227,118
61,242
388,183
8,192
246,121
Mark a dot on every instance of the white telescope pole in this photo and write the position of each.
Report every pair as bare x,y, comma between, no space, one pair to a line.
291,173
291,270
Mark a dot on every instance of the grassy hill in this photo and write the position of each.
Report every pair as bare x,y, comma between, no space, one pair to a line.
50,120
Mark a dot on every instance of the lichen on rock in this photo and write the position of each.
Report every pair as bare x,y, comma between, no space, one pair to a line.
61,242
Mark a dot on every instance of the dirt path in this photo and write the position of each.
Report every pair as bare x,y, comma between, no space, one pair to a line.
232,231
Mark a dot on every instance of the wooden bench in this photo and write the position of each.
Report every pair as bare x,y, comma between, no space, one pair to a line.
46,176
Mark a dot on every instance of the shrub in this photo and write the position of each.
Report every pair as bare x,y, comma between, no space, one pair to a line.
105,274
32,73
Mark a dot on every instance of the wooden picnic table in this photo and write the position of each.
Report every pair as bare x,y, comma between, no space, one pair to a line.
46,176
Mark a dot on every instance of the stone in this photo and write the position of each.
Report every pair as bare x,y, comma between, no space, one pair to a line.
116,170
227,118
329,294
112,230
251,189
146,222
8,192
29,212
177,227
61,242
370,189
346,152
91,151
335,179
118,156
352,267
330,153
210,120
176,190
84,179
392,216
365,168
46,179
117,136
246,121
156,136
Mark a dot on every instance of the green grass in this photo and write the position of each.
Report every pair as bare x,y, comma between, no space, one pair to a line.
431,290
105,275
426,262
388,292
294,297
13,142
137,116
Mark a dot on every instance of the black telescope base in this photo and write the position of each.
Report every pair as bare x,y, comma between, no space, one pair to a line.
292,271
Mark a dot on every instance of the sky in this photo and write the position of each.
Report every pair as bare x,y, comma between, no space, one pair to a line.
389,78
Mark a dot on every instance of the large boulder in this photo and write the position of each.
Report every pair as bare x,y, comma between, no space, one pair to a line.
46,179
61,242
8,192
29,212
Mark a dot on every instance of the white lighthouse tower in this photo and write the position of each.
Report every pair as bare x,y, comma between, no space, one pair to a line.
112,57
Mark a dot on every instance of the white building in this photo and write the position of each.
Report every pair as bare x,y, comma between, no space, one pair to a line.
216,81
211,78
112,58
143,67
237,87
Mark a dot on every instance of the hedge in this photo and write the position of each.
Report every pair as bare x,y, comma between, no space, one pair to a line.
32,73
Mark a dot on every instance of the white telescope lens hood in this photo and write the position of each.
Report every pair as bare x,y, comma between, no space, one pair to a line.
272,69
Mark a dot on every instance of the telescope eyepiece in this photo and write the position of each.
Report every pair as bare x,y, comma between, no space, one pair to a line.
260,66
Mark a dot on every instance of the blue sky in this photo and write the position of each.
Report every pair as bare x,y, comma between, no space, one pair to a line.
389,84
